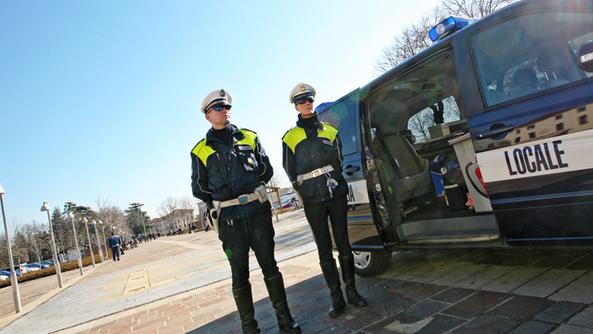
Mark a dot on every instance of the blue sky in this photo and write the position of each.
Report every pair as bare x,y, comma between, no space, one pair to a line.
101,98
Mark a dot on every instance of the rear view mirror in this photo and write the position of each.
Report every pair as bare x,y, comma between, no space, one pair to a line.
586,56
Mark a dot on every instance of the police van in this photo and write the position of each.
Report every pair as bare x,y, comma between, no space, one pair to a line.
485,139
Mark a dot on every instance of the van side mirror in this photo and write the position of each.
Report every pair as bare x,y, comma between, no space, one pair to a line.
586,56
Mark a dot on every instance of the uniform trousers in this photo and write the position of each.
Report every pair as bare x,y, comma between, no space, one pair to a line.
317,214
239,235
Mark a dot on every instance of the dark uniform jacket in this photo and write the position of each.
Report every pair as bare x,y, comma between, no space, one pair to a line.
308,146
225,170
114,241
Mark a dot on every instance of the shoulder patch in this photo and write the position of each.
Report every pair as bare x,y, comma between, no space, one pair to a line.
197,147
289,130
330,125
202,151
245,129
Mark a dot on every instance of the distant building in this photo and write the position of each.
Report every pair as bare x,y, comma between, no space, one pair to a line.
175,220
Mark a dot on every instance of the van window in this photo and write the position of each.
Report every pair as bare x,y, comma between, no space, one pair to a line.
343,114
530,54
415,114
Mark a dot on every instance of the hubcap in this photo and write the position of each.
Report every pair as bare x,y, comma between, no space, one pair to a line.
362,259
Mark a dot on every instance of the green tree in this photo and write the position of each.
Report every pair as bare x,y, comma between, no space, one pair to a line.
137,219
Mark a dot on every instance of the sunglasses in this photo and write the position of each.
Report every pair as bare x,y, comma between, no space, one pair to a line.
221,107
303,100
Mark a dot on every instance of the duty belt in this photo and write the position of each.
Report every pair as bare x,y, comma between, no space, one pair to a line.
314,173
244,199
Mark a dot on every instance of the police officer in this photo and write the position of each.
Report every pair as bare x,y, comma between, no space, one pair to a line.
229,170
312,159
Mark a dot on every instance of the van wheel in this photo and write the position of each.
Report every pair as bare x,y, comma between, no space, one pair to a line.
369,264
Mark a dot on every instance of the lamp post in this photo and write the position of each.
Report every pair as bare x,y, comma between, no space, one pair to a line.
98,241
88,237
45,207
104,239
71,217
13,280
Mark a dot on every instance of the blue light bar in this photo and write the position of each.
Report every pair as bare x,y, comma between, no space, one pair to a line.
446,27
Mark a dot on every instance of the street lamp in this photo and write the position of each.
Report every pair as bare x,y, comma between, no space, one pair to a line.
14,282
98,241
71,217
45,207
88,237
103,233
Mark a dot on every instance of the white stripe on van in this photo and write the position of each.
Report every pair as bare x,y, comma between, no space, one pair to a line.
553,155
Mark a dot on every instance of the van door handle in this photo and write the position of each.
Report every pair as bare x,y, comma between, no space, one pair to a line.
351,169
495,132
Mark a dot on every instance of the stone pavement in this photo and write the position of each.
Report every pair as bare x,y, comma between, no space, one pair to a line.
423,292
461,291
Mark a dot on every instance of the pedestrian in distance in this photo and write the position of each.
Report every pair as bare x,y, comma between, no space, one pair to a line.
115,245
229,171
312,160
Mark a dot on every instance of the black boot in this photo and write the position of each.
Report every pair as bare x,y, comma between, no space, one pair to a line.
330,272
352,296
244,302
275,286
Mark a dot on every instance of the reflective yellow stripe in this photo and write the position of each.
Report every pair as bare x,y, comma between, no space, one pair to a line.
328,132
248,140
293,137
203,151
297,134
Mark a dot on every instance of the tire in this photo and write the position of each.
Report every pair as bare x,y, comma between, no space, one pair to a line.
368,264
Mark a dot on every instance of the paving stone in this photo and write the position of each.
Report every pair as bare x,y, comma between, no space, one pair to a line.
417,291
356,319
559,312
487,324
477,304
584,263
475,256
549,282
570,329
513,279
520,307
417,271
453,295
463,271
533,327
389,303
583,318
516,258
398,323
440,324
496,259
434,272
579,291
556,261
425,309
483,277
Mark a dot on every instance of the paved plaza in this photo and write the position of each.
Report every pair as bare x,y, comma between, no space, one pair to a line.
181,284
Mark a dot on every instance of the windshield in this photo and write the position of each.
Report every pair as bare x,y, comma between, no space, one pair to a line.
530,54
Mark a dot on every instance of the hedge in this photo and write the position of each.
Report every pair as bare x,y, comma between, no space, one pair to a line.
65,266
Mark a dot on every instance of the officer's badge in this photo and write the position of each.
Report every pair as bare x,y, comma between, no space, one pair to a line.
222,93
302,88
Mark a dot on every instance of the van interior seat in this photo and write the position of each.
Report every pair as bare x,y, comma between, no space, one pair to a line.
412,174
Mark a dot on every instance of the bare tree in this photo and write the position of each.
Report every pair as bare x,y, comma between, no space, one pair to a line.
113,217
473,8
409,42
169,205
414,38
